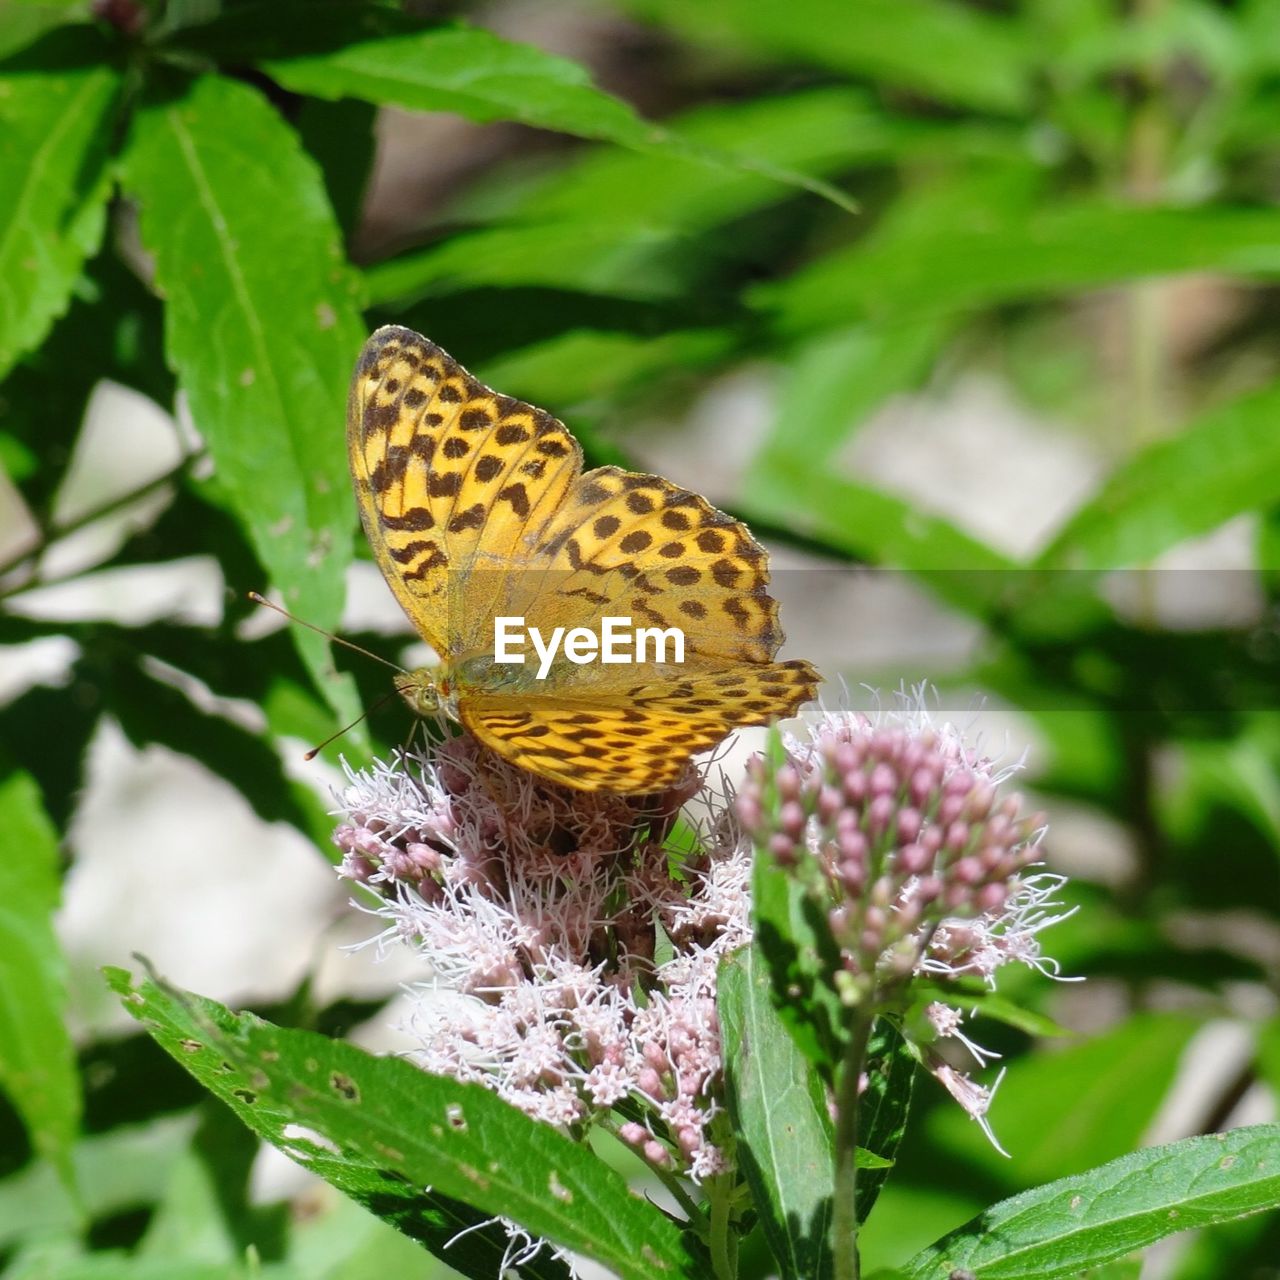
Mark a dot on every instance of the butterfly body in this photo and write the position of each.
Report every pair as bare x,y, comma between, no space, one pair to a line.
477,509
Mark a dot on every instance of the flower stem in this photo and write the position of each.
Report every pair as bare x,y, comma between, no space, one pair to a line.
845,1218
720,1202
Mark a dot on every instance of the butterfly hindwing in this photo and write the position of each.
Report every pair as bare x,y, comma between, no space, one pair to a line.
636,737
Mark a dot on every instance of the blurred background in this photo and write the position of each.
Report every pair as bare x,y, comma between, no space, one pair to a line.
969,309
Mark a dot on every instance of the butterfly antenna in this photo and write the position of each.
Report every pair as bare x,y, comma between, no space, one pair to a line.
333,737
311,626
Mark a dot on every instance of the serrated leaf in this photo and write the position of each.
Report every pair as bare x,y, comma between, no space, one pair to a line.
37,1058
380,1130
1084,1221
262,328
779,1110
1226,463
55,177
471,72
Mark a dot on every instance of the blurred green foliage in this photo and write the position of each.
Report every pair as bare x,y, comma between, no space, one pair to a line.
1080,198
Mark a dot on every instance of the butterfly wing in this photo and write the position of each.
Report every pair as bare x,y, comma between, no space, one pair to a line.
635,738
450,478
638,546
476,506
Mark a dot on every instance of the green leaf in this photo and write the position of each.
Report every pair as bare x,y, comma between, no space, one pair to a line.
471,72
1064,1227
1226,463
482,76
380,1129
37,1058
795,945
262,328
949,51
622,222
24,21
779,1109
883,1108
55,177
1004,253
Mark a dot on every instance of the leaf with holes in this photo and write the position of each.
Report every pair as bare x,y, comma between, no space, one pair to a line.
381,1130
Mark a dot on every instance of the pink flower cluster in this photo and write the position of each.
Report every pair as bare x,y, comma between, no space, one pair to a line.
573,955
896,828
899,830
572,939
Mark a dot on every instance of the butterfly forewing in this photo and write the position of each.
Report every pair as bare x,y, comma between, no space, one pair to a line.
450,477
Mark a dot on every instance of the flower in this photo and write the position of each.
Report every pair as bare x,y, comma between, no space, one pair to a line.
573,954
903,836
573,938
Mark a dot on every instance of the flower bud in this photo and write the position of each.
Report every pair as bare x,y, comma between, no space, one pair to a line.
909,824
792,819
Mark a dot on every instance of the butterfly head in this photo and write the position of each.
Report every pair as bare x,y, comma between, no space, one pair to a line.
424,690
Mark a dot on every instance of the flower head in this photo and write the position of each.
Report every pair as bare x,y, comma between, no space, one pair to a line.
573,954
904,837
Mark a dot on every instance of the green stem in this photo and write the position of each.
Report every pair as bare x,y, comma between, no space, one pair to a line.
1150,366
720,1202
845,1217
692,1211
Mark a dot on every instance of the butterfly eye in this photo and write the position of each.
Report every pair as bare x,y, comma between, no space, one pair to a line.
419,690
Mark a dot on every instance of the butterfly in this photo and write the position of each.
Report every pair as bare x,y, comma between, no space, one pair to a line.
477,509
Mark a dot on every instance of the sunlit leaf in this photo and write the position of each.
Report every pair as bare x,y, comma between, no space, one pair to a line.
484,77
55,137
262,328
1083,1221
779,1107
